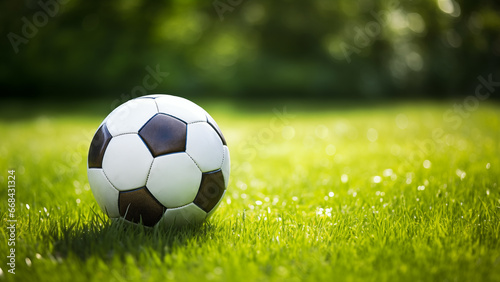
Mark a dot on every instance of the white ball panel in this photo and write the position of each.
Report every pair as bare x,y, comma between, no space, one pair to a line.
188,214
104,193
204,146
126,162
226,166
180,108
174,180
131,116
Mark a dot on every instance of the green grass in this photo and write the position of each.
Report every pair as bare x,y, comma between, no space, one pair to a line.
289,213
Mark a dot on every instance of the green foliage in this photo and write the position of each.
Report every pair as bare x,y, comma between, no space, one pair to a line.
319,48
322,192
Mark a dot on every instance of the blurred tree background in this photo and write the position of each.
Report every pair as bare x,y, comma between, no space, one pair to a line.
346,49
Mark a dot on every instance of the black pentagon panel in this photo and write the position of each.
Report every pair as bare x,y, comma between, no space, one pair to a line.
164,134
140,204
216,128
211,190
98,147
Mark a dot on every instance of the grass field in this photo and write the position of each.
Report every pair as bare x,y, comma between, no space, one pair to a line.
403,192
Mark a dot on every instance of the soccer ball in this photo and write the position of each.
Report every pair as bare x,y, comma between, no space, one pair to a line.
158,159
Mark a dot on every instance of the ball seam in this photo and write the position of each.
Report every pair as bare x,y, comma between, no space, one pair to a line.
200,121
149,173
194,161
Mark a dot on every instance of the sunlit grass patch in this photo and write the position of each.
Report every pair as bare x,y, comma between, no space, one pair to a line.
331,194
